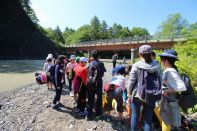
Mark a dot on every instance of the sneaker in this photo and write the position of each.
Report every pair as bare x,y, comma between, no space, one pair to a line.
60,105
77,110
99,116
108,118
119,122
55,106
71,94
84,113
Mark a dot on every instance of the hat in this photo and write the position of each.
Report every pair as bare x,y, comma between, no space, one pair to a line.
83,59
77,59
72,56
119,69
50,56
145,49
169,53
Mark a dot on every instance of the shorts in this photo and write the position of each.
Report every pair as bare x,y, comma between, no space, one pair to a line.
48,79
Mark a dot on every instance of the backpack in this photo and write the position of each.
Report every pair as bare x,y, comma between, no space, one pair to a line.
149,86
71,74
91,77
52,71
187,99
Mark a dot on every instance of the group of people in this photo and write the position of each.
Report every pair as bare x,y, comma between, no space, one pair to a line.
147,86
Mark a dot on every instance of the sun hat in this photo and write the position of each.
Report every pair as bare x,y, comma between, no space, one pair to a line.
83,59
169,53
145,49
72,56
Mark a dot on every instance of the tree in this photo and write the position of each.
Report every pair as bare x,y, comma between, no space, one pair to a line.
58,35
95,28
138,31
67,32
116,30
26,4
124,32
104,34
174,25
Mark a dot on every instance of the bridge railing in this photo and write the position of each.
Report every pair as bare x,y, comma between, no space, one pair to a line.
136,39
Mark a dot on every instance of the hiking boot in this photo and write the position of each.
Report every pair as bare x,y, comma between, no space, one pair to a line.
99,116
119,122
88,117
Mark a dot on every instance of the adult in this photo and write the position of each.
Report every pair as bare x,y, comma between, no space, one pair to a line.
114,58
69,72
171,85
81,75
96,71
59,81
144,65
46,68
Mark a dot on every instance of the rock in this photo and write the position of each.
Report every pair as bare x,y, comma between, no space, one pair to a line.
33,120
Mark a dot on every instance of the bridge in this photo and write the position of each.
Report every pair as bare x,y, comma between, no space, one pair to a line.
127,44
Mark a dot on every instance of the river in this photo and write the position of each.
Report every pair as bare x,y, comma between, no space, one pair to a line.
18,73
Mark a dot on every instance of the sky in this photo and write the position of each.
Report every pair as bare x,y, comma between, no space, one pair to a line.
129,13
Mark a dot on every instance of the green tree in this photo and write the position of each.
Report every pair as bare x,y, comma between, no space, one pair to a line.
26,4
124,32
58,35
104,34
82,34
138,31
95,28
67,32
174,25
116,28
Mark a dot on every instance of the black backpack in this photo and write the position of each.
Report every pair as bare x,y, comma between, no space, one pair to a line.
187,99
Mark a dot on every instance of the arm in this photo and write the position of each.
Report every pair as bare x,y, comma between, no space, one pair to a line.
132,80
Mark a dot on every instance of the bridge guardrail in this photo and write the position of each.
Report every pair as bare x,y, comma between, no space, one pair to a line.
130,40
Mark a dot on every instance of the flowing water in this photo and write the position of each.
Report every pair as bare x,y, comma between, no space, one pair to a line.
18,73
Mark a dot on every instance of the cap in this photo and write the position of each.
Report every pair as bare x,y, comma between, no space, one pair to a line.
72,56
145,49
169,53
83,59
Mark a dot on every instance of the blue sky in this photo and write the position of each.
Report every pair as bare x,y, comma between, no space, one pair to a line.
132,13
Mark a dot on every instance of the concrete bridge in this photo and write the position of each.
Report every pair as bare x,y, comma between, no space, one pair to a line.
126,44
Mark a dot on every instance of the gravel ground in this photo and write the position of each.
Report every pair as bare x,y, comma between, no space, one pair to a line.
29,108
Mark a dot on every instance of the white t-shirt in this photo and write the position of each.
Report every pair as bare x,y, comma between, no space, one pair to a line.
119,80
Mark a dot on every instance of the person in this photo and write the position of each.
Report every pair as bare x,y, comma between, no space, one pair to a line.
81,74
115,91
69,72
97,70
124,60
149,66
59,81
114,58
171,85
46,68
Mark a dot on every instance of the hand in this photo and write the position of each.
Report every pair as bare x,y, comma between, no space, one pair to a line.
164,93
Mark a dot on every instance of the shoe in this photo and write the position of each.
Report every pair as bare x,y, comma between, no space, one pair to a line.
99,116
71,94
77,110
55,106
88,117
84,113
60,105
108,118
119,122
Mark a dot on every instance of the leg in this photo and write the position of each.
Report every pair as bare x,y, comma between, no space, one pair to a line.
148,115
135,106
91,96
99,99
109,103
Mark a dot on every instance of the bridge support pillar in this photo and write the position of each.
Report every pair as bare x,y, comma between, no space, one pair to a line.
88,54
132,55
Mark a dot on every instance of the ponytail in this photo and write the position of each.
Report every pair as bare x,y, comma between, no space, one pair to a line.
147,57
